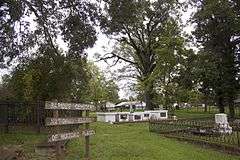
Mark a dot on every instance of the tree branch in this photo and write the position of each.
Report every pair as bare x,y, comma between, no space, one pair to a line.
113,55
45,28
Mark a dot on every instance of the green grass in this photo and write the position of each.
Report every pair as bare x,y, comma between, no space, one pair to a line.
122,142
193,114
198,112
134,142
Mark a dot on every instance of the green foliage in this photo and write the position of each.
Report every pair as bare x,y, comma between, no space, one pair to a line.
141,28
50,77
28,24
46,77
100,90
217,29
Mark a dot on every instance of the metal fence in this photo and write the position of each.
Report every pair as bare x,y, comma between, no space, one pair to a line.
199,130
28,116
17,114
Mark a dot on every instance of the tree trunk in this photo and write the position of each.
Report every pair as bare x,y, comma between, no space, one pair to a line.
231,108
220,104
205,107
148,97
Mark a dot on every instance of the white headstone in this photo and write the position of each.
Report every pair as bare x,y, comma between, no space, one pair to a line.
221,118
175,118
222,125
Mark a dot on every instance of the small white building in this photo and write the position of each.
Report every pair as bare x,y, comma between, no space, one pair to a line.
131,117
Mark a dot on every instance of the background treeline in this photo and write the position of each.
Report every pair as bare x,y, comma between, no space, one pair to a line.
148,38
57,77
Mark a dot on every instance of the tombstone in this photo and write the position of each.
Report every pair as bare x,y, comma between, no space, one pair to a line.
221,124
174,118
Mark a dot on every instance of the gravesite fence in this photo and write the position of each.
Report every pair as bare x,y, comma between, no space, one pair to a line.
199,131
62,121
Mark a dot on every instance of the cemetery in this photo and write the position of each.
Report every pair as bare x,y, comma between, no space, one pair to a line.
216,132
61,131
119,80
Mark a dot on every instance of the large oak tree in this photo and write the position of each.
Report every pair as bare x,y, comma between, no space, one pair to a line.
140,28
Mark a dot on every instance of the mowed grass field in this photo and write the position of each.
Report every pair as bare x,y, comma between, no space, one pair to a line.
121,142
134,142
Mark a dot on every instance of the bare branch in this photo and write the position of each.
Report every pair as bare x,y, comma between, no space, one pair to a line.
113,55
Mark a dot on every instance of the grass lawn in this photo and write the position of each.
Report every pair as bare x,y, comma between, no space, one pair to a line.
121,142
193,114
134,142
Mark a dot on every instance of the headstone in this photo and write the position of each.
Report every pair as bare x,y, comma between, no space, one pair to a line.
174,118
221,124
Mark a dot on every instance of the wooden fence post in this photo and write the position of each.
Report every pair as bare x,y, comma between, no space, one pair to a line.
58,146
87,139
238,138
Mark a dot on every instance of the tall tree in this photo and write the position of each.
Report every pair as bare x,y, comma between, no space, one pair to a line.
99,88
217,29
139,26
207,77
42,78
27,24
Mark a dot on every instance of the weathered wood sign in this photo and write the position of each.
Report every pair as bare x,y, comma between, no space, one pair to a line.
57,121
71,135
65,121
68,106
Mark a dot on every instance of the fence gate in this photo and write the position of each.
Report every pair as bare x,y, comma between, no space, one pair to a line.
62,119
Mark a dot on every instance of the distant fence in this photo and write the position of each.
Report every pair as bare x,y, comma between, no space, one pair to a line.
16,114
192,130
26,116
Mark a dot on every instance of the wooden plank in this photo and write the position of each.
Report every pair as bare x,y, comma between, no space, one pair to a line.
66,121
70,135
68,106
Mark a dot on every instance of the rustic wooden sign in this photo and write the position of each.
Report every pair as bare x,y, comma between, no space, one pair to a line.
68,106
57,121
71,135
66,121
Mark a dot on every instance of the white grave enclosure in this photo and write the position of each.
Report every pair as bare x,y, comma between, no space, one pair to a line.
222,125
106,116
131,117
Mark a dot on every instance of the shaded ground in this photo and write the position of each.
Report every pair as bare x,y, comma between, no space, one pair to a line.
12,153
